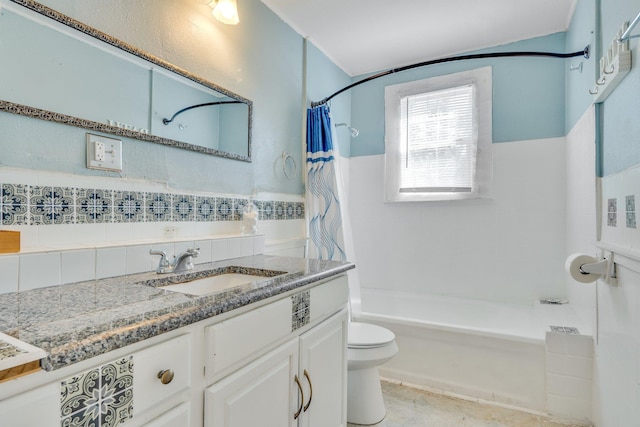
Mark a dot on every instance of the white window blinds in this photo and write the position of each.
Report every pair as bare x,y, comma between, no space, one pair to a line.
438,138
438,141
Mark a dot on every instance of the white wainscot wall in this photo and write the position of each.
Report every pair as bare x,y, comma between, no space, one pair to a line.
612,309
509,247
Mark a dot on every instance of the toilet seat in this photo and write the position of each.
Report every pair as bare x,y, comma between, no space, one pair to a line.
365,335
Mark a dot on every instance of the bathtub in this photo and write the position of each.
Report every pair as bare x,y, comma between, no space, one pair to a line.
475,349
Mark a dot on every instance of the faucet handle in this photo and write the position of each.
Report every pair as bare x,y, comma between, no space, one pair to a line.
164,261
194,252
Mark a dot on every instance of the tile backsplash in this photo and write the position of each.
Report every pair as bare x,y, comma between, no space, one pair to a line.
25,271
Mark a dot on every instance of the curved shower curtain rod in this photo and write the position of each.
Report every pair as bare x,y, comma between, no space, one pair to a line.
167,121
584,52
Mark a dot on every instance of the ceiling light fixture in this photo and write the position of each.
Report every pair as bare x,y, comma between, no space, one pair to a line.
225,11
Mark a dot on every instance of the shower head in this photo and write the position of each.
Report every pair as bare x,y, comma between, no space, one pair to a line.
354,132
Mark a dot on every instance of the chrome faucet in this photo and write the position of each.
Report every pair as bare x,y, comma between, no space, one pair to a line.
181,262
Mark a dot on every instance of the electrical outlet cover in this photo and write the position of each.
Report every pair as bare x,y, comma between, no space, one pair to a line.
104,153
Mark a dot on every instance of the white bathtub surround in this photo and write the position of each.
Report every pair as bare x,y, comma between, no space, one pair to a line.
501,353
569,361
481,248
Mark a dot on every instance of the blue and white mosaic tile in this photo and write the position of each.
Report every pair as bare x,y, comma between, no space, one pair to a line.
93,206
267,208
14,202
630,203
183,207
280,210
205,209
101,397
128,206
50,205
612,212
224,209
300,310
158,207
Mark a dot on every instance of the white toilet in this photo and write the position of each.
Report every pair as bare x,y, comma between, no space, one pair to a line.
369,346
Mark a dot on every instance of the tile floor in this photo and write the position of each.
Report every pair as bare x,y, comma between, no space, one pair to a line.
408,407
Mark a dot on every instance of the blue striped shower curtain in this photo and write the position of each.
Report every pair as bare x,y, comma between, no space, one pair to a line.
326,238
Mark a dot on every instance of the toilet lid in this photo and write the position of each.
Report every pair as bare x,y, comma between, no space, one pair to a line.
367,335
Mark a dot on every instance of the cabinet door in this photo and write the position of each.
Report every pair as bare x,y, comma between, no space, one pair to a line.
263,393
323,368
39,407
179,416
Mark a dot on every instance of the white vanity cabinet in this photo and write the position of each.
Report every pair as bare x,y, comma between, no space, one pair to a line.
300,382
260,367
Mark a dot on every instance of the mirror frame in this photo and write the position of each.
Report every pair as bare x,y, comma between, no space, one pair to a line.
33,112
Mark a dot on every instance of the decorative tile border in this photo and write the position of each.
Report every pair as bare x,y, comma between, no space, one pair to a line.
22,204
300,310
101,397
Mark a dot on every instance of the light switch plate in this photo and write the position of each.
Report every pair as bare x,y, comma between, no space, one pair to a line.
104,153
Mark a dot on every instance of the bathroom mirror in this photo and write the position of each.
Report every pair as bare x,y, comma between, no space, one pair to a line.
58,69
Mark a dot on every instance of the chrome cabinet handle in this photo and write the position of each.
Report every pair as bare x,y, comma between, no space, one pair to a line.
297,414
166,376
306,374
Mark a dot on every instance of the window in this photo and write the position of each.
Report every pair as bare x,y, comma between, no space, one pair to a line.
438,137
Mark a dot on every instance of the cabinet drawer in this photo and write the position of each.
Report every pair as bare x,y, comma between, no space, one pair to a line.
231,342
328,298
173,355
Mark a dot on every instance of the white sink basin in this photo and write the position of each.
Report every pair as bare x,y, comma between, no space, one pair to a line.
214,283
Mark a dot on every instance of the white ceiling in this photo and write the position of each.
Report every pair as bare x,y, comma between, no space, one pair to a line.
362,36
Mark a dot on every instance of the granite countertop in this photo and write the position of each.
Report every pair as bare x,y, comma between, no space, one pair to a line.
77,321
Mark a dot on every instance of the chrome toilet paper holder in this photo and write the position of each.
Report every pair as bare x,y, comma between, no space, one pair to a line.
605,267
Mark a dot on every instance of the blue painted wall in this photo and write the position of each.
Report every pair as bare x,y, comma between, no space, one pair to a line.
582,32
620,125
260,59
323,79
528,95
619,140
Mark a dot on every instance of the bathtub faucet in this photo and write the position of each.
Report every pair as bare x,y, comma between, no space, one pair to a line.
181,262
